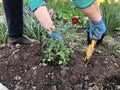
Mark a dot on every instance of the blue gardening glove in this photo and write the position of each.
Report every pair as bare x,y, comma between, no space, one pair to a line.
56,36
97,29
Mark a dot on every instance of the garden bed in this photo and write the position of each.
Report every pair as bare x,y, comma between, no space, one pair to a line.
21,68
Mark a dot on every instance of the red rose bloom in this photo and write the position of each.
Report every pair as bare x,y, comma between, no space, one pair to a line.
75,20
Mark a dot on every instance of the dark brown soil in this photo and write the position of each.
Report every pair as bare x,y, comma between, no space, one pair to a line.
21,68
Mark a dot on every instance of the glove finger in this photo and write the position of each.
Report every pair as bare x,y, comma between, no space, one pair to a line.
101,39
88,38
91,28
56,37
89,34
98,33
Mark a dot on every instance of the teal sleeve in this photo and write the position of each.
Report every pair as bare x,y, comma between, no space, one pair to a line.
34,4
83,3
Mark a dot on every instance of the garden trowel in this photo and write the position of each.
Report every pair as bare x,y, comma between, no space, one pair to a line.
90,51
92,43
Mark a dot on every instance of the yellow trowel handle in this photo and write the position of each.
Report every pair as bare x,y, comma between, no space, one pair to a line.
90,50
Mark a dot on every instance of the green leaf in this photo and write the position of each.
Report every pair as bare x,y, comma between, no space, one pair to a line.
61,53
60,62
49,60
